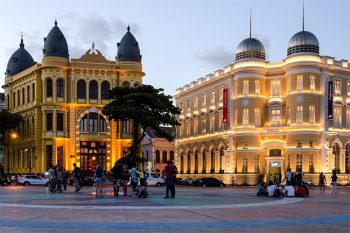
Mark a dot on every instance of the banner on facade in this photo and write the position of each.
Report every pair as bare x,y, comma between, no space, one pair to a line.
224,111
330,100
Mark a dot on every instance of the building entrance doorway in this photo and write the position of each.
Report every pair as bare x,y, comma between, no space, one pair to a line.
275,167
91,154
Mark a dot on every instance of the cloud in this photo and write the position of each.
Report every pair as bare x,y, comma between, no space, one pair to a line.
216,57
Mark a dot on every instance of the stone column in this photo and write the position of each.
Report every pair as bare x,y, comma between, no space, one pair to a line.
200,163
217,161
191,169
342,160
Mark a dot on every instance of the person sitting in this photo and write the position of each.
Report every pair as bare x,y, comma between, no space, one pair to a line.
278,191
271,189
300,192
289,190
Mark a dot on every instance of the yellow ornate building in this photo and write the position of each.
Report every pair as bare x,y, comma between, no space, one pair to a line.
61,100
254,118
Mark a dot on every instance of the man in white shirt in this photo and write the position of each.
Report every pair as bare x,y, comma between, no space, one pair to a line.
289,191
271,189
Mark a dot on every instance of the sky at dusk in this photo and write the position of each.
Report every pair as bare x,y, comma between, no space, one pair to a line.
180,40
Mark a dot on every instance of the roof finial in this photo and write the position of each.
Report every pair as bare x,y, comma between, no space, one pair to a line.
128,28
21,44
250,24
93,47
303,15
55,22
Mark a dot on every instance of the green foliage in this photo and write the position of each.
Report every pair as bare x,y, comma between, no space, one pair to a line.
146,107
8,121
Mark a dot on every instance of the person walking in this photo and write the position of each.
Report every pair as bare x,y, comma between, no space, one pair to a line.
334,181
76,177
134,179
125,179
99,180
59,180
322,182
52,179
117,178
170,172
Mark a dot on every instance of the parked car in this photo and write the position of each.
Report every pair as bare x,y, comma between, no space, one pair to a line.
204,182
154,179
186,181
85,181
5,181
32,180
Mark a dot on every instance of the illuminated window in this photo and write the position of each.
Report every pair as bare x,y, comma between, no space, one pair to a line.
257,87
212,124
275,117
195,107
188,105
204,126
298,163
299,115
221,102
299,144
312,114
188,129
245,87
300,83
337,87
348,89
312,83
337,117
245,117
276,88
212,99
204,101
289,116
195,127
257,117
236,117
348,118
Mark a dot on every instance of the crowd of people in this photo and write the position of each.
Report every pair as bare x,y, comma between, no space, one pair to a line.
58,178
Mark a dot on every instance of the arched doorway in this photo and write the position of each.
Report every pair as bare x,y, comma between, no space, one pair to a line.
212,161
196,162
188,162
182,162
222,154
347,158
336,153
204,161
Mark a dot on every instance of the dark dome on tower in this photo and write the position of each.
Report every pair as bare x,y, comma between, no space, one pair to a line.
128,48
55,44
19,61
250,48
303,42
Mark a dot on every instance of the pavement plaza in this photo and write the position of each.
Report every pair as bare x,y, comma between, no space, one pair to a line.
195,209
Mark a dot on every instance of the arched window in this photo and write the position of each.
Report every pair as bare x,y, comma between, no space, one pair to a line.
93,123
165,156
28,94
188,162
14,99
136,84
105,87
23,96
157,156
212,161
299,163
81,89
93,89
60,88
222,154
33,91
182,162
49,87
172,155
204,161
18,98
125,84
196,161
336,152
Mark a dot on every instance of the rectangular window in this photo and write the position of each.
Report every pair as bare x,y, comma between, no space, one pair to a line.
311,144
257,87
348,89
221,103
276,118
312,114
348,118
257,117
195,127
299,83
299,115
337,118
245,87
125,127
195,107
204,126
212,124
276,88
337,87
289,116
204,102
245,117
49,121
59,121
299,144
188,105
212,99
312,83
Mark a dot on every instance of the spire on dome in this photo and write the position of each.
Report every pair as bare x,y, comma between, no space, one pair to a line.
21,44
250,24
303,16
55,22
128,28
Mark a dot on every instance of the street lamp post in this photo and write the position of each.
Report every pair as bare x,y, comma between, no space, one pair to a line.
13,136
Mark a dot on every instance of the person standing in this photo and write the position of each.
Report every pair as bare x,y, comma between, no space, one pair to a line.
170,172
52,179
289,176
99,180
65,179
117,178
134,179
334,182
59,180
125,179
322,182
76,177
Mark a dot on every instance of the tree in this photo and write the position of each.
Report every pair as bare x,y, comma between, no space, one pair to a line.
8,121
146,107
